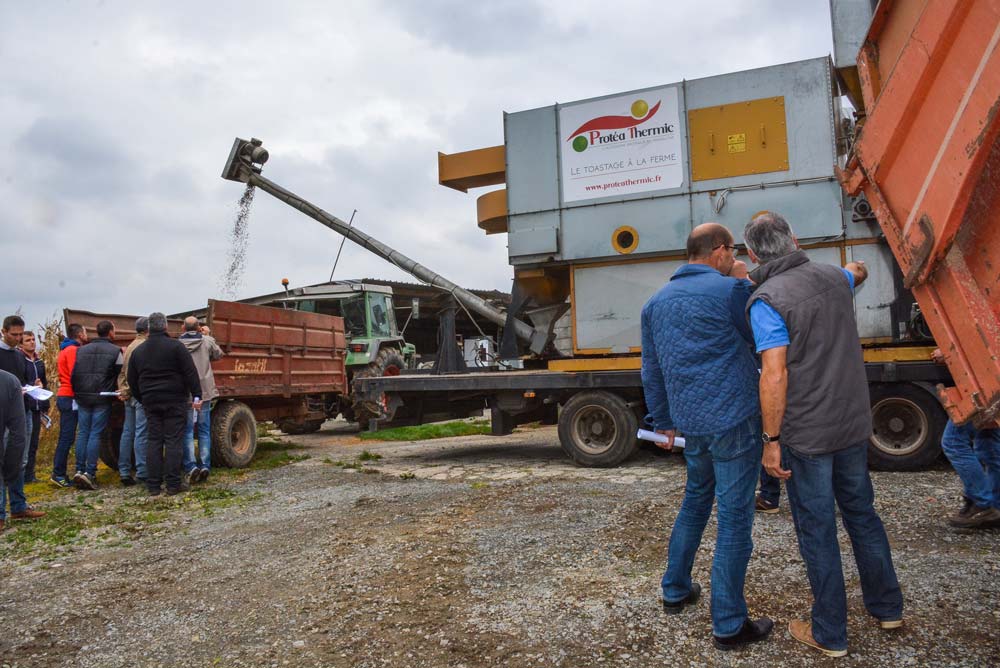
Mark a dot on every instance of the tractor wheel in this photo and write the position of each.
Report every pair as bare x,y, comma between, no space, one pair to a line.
234,434
907,423
297,428
597,428
388,362
110,440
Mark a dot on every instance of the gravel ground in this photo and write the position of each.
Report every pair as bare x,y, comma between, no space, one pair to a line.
472,551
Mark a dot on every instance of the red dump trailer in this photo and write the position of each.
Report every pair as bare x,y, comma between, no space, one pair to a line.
927,158
279,365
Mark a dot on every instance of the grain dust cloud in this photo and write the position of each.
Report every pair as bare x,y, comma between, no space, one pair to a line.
239,237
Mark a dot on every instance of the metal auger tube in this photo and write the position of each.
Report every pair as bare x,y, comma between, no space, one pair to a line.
470,300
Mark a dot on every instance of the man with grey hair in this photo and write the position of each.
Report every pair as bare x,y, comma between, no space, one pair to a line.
134,432
817,422
163,378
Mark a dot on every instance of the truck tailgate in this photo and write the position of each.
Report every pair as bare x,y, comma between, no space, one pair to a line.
928,161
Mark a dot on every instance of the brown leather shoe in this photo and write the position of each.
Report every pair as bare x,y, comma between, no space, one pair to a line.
29,514
801,630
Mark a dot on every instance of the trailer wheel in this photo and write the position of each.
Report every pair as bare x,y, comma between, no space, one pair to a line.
907,423
111,438
388,362
234,434
597,428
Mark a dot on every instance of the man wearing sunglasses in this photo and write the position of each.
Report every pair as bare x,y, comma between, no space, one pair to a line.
699,376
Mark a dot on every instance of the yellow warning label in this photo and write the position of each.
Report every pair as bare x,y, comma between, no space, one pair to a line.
737,143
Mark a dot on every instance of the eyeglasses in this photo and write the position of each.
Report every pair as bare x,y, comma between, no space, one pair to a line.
732,248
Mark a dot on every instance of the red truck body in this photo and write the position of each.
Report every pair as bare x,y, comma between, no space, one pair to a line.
927,159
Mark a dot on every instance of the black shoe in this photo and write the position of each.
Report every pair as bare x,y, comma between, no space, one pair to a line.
85,481
128,482
174,491
751,632
202,475
675,607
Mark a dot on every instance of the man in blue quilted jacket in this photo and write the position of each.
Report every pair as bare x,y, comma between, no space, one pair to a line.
700,378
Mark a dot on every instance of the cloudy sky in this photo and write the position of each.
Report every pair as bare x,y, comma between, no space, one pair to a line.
116,118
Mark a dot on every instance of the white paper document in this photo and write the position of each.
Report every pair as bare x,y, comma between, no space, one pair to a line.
659,438
35,392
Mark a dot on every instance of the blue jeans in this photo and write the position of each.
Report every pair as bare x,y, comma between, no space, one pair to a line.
204,439
67,433
133,440
18,502
975,456
770,487
818,486
92,421
724,467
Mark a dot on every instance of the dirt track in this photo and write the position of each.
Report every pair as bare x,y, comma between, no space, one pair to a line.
471,551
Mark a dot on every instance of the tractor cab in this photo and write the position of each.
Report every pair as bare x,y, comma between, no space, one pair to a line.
368,312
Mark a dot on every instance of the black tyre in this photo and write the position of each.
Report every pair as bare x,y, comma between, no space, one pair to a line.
597,429
110,440
234,434
388,362
907,423
296,428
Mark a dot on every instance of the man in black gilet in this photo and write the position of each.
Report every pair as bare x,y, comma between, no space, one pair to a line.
817,422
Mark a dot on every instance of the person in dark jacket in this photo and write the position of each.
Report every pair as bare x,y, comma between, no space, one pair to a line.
14,362
699,377
95,379
12,423
76,336
163,378
36,408
817,421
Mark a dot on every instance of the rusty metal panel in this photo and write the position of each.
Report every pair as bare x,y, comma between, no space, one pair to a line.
272,351
928,161
746,137
124,324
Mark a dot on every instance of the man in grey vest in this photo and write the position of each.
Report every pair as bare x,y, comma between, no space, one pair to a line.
817,422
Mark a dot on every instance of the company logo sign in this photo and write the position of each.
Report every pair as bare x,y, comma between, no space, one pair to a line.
622,145
611,129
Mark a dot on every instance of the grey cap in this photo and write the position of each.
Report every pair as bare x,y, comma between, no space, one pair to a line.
141,325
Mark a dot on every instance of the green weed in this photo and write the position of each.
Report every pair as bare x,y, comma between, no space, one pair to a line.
429,431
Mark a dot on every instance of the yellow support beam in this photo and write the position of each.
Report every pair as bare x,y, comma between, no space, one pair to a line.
596,364
473,169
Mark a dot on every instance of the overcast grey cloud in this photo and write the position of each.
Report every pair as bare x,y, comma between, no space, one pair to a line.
116,118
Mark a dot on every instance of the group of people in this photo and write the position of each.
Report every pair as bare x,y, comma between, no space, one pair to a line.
764,375
167,388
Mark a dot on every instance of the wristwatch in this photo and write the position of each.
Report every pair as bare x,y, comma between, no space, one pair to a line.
767,438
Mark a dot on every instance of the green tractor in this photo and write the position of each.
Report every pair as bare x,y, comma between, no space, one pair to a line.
375,345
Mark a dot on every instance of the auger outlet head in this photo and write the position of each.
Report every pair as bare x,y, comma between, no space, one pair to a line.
245,157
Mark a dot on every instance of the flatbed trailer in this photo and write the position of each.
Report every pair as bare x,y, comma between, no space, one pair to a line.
599,411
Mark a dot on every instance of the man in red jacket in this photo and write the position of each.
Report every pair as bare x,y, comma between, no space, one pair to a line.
76,335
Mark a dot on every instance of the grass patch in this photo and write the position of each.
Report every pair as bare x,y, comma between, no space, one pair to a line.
366,456
479,484
407,476
428,431
109,520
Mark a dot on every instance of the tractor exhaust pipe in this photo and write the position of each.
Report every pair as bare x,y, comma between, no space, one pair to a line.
244,165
